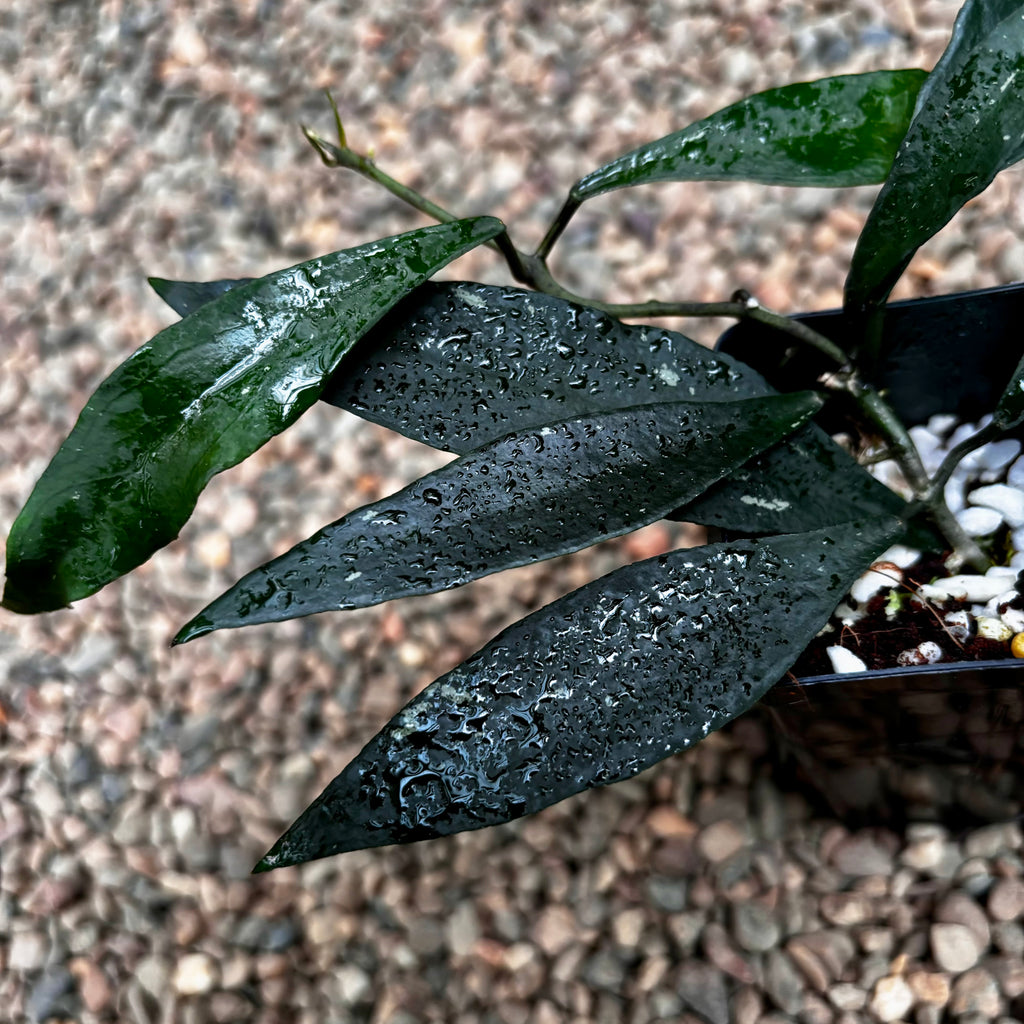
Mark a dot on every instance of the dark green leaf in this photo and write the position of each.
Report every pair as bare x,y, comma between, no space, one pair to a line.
974,21
1010,410
199,397
185,297
831,132
806,481
456,365
969,126
524,498
590,690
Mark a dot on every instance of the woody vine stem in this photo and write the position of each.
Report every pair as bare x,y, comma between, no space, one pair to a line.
532,270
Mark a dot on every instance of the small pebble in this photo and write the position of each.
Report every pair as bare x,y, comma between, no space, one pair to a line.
845,996
926,847
955,494
721,840
1006,900
929,987
959,908
755,926
891,999
860,855
942,423
954,947
992,840
195,974
975,991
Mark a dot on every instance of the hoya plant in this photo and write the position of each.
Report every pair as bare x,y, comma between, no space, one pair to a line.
570,427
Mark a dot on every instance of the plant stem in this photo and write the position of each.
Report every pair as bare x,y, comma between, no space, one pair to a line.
558,225
342,156
965,548
533,270
881,414
957,453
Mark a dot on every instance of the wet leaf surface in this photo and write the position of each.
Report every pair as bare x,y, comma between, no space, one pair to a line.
460,364
798,485
969,125
185,297
199,397
524,498
588,691
832,132
456,365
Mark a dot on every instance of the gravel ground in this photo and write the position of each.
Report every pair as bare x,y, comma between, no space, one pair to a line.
138,786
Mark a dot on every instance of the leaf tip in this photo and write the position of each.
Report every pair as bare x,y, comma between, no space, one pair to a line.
192,630
280,855
159,284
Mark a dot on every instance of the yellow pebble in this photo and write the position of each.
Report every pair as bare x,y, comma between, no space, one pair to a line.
1017,646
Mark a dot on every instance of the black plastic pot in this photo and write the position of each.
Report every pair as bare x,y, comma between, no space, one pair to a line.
923,372
934,742
937,742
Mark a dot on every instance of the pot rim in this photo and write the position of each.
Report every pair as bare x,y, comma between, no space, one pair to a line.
788,689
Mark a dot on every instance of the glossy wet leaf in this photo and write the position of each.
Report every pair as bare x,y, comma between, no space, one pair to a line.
458,364
1010,410
831,132
974,21
969,126
198,398
526,497
185,297
799,484
590,690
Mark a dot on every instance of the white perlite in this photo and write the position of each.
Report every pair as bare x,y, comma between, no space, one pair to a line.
958,624
1015,474
926,653
998,454
1013,619
1007,501
979,521
901,555
844,661
993,629
876,580
976,589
